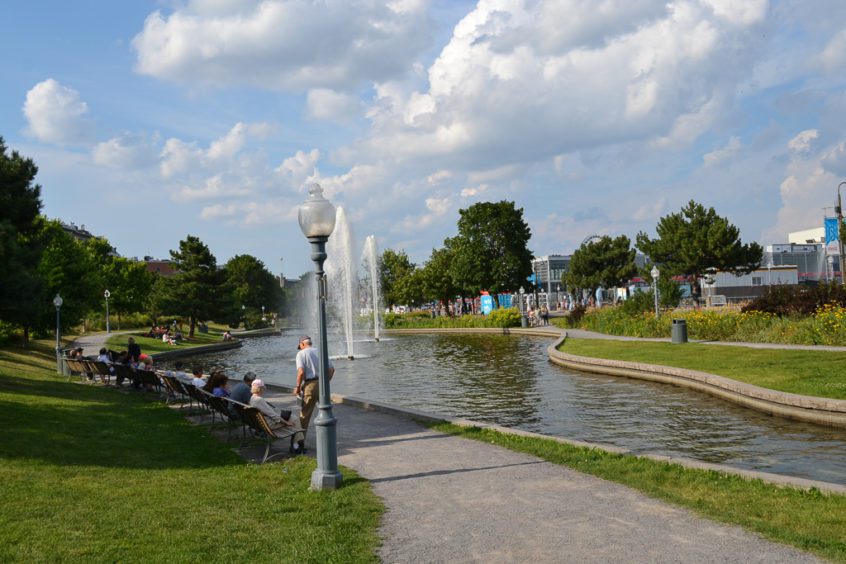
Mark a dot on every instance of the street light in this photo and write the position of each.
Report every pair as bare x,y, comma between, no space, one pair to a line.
57,301
263,318
244,315
317,221
770,272
106,295
522,293
655,273
838,210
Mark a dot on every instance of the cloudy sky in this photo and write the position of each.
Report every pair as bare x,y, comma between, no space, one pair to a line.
153,120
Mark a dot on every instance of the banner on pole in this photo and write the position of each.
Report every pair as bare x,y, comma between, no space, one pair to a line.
832,236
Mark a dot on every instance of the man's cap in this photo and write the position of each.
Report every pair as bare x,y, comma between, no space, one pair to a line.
302,338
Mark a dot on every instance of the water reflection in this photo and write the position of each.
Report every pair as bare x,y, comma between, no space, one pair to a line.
508,380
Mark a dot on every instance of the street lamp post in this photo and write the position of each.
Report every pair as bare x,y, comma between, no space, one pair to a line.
263,318
770,272
106,295
558,296
838,209
655,273
244,315
317,221
57,301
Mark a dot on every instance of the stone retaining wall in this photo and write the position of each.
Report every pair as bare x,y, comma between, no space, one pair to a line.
191,351
823,411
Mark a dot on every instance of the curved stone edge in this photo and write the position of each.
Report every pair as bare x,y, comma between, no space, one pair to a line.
191,351
822,411
425,417
533,331
256,333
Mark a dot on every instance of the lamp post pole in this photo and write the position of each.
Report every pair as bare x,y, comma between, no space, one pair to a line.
244,315
655,273
106,295
317,221
263,318
770,272
839,212
57,301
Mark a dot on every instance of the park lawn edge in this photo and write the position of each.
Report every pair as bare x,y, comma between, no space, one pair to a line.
146,484
806,519
803,372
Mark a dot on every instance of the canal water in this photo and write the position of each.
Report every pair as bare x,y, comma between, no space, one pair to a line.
509,381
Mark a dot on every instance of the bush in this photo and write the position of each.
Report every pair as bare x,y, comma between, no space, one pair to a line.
797,300
576,315
504,317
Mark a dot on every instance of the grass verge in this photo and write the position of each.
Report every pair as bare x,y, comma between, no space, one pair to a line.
810,373
809,520
95,474
150,345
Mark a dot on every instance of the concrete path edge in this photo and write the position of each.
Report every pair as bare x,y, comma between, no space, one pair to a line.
429,418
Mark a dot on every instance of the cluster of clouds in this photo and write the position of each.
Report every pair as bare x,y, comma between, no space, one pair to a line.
524,92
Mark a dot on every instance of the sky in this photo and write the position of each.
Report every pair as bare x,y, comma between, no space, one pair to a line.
150,121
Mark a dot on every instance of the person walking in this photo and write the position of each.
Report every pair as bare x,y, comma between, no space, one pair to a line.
308,373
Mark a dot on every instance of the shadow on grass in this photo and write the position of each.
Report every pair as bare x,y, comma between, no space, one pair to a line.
68,424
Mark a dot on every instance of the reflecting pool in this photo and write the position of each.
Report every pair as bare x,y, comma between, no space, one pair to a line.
508,380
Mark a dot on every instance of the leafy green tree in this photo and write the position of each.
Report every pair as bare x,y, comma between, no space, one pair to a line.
695,239
436,276
250,284
195,291
65,268
608,263
128,281
20,204
491,250
394,268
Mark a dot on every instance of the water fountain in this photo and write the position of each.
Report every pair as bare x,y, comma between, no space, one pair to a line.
342,278
371,259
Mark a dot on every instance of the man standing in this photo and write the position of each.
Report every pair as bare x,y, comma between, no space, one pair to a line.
134,350
308,372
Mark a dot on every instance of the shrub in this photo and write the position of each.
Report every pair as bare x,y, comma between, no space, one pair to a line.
576,315
504,317
797,300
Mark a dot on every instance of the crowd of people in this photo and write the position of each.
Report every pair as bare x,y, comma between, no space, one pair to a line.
250,391
171,335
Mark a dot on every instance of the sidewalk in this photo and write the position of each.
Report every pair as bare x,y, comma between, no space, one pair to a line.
451,499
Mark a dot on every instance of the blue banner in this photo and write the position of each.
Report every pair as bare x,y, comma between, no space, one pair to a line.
487,304
832,237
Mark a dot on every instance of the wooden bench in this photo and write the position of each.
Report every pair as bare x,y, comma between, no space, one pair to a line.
255,420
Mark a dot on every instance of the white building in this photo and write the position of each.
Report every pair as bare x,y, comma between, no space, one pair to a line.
748,286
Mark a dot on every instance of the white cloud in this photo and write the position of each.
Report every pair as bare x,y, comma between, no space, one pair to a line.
56,114
804,141
651,211
722,155
283,44
833,56
213,187
128,152
251,214
502,90
471,191
299,168
323,103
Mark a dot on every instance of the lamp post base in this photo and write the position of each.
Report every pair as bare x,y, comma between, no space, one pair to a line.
325,480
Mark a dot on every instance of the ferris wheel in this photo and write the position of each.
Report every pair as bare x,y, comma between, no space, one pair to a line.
590,239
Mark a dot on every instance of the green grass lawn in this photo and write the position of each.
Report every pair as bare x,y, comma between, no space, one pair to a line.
90,473
810,373
150,345
809,520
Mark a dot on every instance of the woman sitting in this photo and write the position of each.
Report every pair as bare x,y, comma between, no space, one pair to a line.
274,418
217,384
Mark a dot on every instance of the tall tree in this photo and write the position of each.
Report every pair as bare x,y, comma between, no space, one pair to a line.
607,262
250,284
436,277
20,204
195,291
695,239
491,249
394,268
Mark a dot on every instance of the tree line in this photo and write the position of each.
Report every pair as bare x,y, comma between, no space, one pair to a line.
490,252
39,259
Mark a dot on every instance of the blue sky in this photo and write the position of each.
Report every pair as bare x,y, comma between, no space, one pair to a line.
153,120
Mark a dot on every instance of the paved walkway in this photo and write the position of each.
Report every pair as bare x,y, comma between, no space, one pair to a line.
451,499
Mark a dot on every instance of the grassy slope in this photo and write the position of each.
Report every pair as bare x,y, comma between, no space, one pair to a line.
150,345
91,473
809,520
810,373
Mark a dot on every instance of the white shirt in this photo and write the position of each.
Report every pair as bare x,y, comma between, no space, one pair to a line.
309,361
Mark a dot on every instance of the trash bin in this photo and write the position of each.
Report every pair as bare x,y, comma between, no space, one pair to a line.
679,331
523,321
